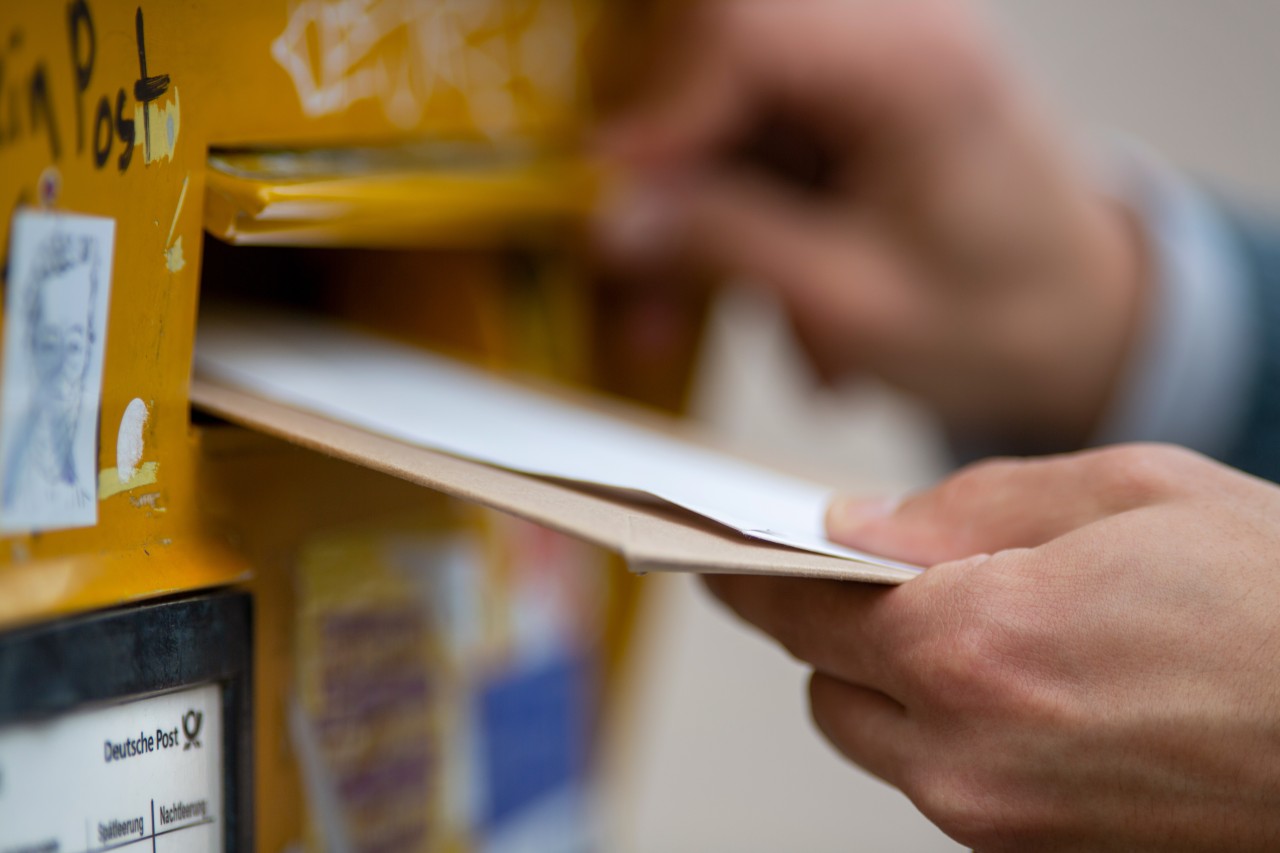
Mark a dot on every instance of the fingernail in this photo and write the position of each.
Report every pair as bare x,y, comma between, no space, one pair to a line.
634,222
848,514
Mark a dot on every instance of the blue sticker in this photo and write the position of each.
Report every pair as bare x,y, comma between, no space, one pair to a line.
535,728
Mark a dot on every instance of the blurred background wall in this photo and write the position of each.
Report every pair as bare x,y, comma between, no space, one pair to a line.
718,753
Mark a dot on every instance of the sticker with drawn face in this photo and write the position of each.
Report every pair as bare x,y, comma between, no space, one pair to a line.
55,323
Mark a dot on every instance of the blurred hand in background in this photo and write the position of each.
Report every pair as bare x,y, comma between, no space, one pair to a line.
880,166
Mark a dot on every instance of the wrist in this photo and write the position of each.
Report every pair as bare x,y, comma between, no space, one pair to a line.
1122,289
1087,326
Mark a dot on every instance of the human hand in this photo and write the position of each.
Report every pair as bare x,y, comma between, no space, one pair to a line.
948,241
1092,663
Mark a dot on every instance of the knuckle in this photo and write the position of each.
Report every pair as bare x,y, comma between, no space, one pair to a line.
979,811
1140,474
969,484
988,663
956,802
961,669
966,58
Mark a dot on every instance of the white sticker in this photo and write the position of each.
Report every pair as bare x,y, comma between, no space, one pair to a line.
129,441
55,330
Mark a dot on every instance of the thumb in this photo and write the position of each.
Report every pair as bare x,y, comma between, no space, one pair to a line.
1004,504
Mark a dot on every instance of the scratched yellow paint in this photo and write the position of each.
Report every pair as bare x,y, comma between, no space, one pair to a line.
110,484
174,260
161,123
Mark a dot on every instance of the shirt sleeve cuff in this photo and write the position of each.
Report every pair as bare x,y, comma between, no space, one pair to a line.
1189,378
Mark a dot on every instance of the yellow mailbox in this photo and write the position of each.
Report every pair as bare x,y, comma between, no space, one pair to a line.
210,639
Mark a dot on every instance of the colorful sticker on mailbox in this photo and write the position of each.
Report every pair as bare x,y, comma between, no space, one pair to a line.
55,324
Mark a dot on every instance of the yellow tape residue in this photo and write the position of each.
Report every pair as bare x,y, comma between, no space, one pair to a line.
157,131
110,484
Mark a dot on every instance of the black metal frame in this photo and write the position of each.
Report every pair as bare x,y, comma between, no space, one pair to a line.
120,654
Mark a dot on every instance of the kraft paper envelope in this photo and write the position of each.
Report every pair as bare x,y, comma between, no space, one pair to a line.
664,504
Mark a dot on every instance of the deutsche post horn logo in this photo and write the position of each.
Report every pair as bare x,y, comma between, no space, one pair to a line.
191,722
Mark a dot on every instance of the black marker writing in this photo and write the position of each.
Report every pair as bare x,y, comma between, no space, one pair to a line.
147,88
42,107
84,51
126,131
102,141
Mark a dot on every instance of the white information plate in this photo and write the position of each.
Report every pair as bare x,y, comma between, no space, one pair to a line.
142,775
